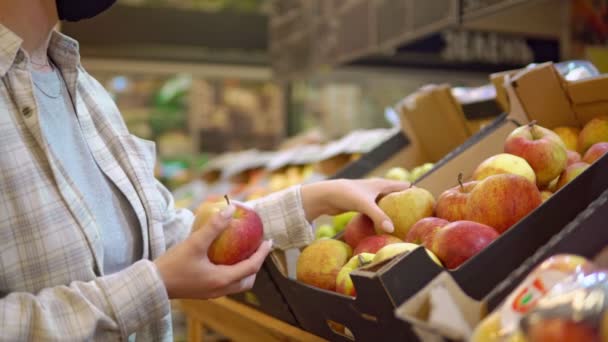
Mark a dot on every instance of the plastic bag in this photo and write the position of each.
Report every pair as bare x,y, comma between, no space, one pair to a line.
504,323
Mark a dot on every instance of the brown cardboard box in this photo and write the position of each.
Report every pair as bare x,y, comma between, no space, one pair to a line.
589,97
457,314
436,120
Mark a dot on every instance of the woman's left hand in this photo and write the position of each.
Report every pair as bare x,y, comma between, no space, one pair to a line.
337,196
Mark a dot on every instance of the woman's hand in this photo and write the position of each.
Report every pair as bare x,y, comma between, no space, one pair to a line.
188,273
337,196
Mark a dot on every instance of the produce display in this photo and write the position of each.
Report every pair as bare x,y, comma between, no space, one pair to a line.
464,219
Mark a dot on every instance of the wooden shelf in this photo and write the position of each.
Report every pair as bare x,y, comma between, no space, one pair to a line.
237,322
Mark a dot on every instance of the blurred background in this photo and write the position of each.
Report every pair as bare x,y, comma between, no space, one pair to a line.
206,77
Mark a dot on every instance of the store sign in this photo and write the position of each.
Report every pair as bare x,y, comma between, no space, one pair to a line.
485,47
477,50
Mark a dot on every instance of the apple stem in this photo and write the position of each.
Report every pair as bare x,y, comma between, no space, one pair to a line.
227,199
532,125
460,181
362,261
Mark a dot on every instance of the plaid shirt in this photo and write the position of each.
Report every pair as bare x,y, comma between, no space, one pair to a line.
52,283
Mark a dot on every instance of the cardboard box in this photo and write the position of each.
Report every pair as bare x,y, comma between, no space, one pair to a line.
266,297
589,97
436,119
585,236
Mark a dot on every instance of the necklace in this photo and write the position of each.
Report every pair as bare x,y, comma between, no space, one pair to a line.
56,94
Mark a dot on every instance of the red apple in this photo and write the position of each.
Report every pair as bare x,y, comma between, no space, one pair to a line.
561,330
541,148
502,200
319,263
372,244
452,203
240,240
573,157
458,241
359,227
595,152
423,231
570,173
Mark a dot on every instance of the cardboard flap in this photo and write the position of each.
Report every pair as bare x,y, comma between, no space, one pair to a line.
437,120
441,308
542,95
589,97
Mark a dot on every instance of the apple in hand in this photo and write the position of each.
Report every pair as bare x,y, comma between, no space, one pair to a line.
360,227
423,231
569,136
570,173
372,244
407,207
458,241
595,152
344,284
392,250
573,157
319,263
452,203
240,239
502,200
504,163
595,131
541,148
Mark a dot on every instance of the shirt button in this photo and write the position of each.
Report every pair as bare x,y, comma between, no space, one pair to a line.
27,111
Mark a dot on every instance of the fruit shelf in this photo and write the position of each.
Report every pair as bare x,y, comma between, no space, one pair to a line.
380,290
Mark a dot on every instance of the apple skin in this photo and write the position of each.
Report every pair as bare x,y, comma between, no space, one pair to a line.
405,208
569,136
319,263
559,330
452,203
344,284
206,209
392,250
595,152
458,241
595,131
240,239
504,163
398,174
340,221
573,157
541,148
570,173
372,244
545,195
360,227
325,231
502,200
423,231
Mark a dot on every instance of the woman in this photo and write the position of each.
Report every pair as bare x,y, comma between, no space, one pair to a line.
91,246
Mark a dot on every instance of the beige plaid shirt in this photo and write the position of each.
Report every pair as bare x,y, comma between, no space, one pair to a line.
52,284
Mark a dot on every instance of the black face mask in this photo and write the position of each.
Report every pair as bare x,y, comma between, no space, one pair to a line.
74,10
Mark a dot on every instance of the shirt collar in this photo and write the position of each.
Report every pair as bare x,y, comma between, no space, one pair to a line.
63,50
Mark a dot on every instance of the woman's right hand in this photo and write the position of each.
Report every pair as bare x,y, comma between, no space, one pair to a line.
188,273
